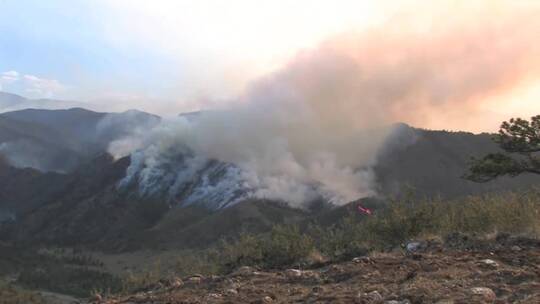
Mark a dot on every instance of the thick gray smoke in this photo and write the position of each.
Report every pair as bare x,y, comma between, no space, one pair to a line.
313,129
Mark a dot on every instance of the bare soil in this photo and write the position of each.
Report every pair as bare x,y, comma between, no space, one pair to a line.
506,270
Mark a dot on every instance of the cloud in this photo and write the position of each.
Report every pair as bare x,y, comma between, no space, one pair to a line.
31,85
8,77
42,86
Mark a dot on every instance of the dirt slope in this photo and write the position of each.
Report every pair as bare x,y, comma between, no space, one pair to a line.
503,271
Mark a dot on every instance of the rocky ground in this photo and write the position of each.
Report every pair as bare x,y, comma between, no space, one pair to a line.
504,270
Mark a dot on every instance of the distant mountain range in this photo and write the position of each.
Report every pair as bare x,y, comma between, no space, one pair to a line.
58,184
60,140
12,102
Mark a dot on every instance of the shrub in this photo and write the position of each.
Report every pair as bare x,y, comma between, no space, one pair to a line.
135,281
402,220
283,246
77,281
13,295
342,241
286,246
246,250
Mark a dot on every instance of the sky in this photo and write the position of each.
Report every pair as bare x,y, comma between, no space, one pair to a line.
167,56
169,50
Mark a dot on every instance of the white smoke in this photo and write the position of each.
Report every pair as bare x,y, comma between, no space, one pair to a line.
23,154
280,147
314,128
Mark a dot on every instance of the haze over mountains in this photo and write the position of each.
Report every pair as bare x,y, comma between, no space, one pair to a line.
59,184
12,102
59,140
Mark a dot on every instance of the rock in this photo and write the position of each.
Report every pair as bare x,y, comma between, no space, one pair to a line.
97,298
414,246
139,297
486,293
213,296
363,260
310,275
445,301
176,283
373,297
267,299
231,291
398,302
515,248
335,269
293,273
195,279
489,263
244,271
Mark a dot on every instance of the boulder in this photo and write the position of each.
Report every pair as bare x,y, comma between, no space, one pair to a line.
486,293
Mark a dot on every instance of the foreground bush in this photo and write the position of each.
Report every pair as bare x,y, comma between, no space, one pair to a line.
403,220
283,246
77,281
14,295
398,222
391,226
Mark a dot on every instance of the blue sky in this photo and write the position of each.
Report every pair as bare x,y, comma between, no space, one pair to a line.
173,52
167,56
66,41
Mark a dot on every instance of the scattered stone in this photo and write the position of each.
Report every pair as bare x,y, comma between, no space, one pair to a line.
485,292
310,275
293,273
440,277
97,298
373,297
489,263
244,271
139,297
363,260
215,277
231,291
176,283
197,279
515,248
336,269
414,246
213,296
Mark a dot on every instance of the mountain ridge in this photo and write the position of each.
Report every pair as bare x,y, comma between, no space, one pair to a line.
60,140
89,207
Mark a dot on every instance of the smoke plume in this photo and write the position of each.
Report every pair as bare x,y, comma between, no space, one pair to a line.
313,128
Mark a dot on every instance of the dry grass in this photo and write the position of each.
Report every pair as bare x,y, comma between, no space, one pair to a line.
390,227
514,213
14,295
